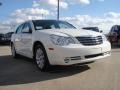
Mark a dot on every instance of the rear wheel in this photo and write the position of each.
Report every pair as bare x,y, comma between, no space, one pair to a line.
13,51
41,59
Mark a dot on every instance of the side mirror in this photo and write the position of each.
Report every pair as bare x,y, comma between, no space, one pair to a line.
30,30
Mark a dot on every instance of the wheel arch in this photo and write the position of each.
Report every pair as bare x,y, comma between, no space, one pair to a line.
40,43
37,43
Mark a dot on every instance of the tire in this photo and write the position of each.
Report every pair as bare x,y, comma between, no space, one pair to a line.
13,51
41,59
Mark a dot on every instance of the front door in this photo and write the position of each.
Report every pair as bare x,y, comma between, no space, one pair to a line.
26,39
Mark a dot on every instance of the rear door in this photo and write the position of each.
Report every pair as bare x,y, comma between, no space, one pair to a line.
17,38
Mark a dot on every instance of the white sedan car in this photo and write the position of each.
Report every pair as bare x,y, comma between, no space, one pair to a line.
52,42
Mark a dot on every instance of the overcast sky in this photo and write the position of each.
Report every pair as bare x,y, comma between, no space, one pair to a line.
101,13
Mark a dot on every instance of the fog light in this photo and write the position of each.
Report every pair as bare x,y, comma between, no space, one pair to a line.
107,53
66,60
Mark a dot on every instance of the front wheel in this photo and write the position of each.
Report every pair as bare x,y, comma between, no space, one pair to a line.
41,58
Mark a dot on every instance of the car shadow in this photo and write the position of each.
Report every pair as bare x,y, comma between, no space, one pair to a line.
5,44
23,71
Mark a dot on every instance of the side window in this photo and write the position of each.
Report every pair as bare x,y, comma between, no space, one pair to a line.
18,30
27,28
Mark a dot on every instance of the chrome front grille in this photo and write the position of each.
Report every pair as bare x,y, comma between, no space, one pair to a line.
87,41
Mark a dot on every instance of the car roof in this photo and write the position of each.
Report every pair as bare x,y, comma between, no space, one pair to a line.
47,20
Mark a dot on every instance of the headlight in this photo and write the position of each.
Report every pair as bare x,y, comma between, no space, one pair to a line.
61,40
104,38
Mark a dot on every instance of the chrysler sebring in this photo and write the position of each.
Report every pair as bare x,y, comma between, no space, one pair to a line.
52,42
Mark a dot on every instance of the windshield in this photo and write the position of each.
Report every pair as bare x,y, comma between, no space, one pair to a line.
51,24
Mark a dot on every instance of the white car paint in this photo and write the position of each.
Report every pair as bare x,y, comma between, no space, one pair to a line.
24,45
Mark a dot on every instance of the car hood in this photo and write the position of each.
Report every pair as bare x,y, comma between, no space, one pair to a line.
71,32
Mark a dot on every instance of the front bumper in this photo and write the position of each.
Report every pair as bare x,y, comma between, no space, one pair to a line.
5,40
75,54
